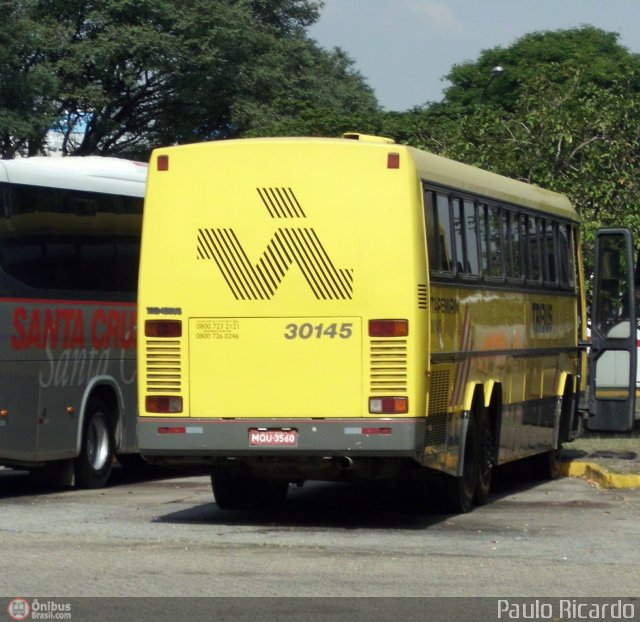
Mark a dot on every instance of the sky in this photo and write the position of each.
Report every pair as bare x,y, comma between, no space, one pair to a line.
404,48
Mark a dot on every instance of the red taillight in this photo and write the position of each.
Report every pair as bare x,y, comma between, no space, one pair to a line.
388,405
162,163
393,160
388,328
376,431
175,430
163,328
163,404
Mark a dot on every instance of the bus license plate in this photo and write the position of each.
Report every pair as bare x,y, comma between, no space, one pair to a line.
273,438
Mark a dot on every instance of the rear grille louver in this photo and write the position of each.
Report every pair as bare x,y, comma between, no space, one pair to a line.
423,300
388,366
439,391
164,369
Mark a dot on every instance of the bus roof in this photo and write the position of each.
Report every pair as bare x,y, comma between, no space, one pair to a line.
455,175
441,171
88,173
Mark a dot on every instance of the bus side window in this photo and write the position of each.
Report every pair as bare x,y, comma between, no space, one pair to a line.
471,234
534,272
549,251
565,258
494,240
444,232
513,245
45,247
438,223
459,235
483,222
430,220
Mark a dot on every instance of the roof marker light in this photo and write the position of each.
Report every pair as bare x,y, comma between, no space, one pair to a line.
393,160
163,162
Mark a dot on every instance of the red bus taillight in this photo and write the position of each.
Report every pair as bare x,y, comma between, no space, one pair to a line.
388,328
173,430
388,405
163,328
163,404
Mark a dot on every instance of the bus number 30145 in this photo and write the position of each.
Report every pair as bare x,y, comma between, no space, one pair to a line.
318,331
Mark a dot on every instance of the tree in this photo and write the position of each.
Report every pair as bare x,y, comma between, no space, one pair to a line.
596,54
127,75
27,85
564,115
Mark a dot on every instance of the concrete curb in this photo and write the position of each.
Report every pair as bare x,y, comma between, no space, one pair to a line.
599,476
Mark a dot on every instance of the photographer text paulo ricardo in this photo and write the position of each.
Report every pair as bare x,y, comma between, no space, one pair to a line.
565,609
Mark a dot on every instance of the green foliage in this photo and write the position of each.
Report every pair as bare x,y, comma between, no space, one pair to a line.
565,115
27,84
557,54
133,74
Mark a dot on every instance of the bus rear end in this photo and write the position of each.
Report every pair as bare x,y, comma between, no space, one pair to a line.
283,311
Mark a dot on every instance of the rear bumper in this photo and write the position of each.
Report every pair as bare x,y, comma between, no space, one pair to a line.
199,438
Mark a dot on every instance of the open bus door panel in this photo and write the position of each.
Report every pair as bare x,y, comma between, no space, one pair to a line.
613,355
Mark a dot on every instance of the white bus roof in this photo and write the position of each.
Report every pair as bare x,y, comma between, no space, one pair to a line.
87,173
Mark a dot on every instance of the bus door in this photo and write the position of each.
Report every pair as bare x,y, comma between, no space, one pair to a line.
613,355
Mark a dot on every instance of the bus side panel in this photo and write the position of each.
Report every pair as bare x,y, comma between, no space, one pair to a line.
19,405
520,344
58,352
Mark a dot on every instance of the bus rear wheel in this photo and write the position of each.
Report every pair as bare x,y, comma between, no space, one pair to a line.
546,466
461,491
485,456
93,465
245,492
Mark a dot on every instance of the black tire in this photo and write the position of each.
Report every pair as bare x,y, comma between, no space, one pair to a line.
460,491
244,492
131,461
485,456
93,465
546,466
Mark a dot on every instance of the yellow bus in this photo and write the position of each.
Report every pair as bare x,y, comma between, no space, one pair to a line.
353,309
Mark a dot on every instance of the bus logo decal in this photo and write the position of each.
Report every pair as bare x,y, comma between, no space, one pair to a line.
300,246
281,203
261,281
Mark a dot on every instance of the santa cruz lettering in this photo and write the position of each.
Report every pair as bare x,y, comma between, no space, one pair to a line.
65,328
